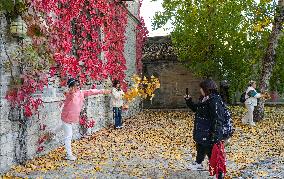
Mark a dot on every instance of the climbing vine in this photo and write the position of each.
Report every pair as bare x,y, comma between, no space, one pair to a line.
79,31
83,39
141,37
30,76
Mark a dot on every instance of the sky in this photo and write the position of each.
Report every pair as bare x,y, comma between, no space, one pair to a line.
148,10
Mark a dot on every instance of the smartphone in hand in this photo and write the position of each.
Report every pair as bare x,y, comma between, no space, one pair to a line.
186,94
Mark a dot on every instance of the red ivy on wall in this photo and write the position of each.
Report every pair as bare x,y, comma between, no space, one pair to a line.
86,40
141,37
21,96
80,30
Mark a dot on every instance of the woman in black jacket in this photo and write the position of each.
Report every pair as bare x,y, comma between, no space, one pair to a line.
209,117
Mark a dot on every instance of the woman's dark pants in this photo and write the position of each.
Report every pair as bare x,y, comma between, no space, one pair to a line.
117,116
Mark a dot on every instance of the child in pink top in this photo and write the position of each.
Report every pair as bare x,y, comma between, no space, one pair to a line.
71,111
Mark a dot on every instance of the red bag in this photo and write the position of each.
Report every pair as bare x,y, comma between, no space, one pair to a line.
217,162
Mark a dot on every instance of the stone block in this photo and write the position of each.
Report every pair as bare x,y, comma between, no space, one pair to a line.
7,147
3,139
32,143
6,163
33,127
5,126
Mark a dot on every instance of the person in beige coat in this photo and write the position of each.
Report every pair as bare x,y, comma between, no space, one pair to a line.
117,103
250,103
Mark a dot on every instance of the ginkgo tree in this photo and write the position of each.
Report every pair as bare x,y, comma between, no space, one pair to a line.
269,60
222,39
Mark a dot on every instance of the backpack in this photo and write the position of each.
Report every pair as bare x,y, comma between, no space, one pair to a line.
228,129
243,97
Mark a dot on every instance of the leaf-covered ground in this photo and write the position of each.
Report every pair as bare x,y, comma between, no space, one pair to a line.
160,145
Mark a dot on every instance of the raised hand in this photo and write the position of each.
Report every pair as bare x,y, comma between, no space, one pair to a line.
187,97
107,91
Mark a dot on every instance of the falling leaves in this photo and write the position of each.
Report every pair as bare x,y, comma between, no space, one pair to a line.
155,144
143,87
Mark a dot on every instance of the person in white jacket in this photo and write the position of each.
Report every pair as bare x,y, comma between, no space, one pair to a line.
117,103
251,101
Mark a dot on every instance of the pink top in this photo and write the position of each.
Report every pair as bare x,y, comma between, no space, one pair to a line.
73,104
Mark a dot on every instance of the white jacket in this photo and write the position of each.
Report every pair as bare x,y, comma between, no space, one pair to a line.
252,100
116,98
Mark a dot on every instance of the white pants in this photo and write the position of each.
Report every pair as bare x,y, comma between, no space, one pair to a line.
67,128
248,118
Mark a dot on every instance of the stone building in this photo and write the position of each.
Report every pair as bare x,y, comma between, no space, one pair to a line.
159,60
20,142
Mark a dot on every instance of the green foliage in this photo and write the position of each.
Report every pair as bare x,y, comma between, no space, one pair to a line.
277,79
29,59
224,39
7,5
13,8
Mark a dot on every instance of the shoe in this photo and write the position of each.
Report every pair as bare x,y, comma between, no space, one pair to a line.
244,121
195,166
71,157
252,124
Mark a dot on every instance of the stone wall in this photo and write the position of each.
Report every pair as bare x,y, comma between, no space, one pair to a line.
174,79
160,60
17,139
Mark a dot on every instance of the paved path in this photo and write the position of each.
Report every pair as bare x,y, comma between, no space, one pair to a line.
153,145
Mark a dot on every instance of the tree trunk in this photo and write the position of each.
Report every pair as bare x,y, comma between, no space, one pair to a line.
268,61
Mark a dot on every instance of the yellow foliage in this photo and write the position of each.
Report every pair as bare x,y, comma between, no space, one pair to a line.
166,136
143,87
260,25
265,1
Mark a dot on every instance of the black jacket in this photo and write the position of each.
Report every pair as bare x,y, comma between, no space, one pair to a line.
209,117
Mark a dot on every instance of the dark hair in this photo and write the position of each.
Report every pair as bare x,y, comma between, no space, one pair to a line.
71,82
115,82
209,86
251,82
